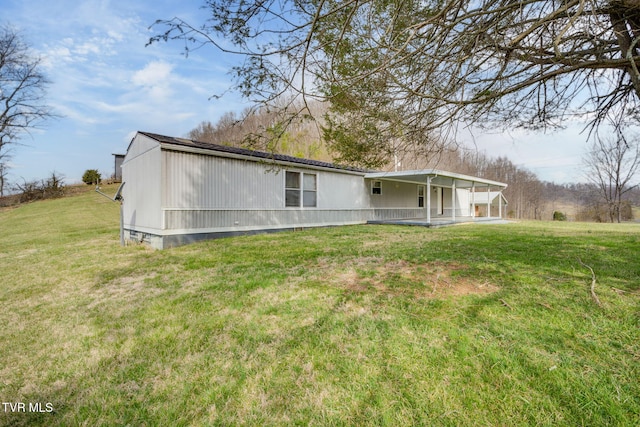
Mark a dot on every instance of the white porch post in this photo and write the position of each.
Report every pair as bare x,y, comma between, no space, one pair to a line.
488,201
473,199
500,204
428,200
453,200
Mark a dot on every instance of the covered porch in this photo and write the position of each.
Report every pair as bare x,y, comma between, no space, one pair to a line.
434,198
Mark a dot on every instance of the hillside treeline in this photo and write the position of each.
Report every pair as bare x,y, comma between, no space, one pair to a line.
259,129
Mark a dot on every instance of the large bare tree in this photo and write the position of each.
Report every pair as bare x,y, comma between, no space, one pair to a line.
612,165
402,74
22,90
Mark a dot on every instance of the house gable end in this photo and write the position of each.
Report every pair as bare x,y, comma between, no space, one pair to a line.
139,145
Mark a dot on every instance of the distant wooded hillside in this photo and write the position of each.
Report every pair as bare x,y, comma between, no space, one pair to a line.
528,196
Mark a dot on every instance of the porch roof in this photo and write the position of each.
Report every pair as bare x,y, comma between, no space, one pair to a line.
420,177
483,198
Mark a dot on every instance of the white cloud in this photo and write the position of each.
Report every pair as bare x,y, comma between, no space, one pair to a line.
156,81
94,46
124,108
69,51
106,83
75,114
153,74
56,54
115,36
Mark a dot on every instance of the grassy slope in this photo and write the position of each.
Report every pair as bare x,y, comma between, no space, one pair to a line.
366,325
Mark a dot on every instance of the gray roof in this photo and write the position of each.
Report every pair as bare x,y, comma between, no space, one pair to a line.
258,155
419,176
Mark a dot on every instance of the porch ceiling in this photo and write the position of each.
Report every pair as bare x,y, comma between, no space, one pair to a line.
420,177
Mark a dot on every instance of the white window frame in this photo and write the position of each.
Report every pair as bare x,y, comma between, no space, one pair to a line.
374,187
307,191
290,189
423,195
301,190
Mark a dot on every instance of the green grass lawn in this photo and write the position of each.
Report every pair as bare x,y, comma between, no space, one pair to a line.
362,325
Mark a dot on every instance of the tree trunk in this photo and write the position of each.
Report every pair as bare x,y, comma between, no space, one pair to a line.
625,15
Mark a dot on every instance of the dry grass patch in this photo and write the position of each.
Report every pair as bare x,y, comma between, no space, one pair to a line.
401,278
123,290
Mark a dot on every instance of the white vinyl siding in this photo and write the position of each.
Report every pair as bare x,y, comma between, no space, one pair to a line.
141,170
395,195
197,181
208,182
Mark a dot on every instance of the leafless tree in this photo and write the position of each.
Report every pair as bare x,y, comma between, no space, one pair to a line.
408,73
525,192
50,188
22,90
612,165
261,129
3,178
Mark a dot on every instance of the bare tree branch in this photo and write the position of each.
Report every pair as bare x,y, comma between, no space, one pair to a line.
413,70
22,90
592,288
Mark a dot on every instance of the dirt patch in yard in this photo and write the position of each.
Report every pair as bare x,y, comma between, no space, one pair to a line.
429,280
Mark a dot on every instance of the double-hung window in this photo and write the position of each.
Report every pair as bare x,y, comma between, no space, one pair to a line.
300,189
376,187
292,189
421,196
309,190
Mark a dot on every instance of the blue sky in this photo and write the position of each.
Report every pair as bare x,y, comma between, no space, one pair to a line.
107,85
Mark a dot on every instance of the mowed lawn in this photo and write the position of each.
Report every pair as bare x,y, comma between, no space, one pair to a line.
362,325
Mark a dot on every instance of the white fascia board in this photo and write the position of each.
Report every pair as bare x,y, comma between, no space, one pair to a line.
399,175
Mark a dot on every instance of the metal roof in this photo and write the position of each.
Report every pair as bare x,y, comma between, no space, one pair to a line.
258,155
420,176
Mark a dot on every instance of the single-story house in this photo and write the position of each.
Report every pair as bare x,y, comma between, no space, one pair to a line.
179,191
